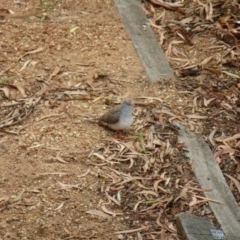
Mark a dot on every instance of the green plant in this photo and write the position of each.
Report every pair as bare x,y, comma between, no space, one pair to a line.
139,137
5,80
45,4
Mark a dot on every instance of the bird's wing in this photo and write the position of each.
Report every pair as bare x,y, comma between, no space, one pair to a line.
112,116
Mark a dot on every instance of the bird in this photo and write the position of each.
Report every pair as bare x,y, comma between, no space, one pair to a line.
120,117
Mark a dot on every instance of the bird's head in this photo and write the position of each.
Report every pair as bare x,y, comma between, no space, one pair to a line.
127,102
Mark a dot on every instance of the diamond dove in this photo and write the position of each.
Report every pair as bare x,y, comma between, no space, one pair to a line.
120,117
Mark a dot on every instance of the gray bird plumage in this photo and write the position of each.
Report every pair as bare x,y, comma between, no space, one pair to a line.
120,117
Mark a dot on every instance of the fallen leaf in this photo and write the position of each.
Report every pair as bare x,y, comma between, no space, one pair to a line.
19,196
131,230
40,49
60,206
193,116
206,102
73,30
98,213
54,73
24,66
231,74
103,207
235,181
148,193
6,91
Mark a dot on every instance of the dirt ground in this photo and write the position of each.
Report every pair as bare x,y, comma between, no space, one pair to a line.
65,177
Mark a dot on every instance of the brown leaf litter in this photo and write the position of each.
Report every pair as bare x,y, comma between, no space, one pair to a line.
143,179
